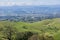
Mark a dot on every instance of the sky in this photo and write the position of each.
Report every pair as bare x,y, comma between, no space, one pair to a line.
28,2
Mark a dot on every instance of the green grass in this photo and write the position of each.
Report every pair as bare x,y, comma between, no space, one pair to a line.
51,26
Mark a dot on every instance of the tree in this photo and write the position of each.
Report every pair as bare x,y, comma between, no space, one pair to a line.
9,32
23,35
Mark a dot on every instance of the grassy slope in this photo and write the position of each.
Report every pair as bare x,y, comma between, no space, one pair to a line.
51,26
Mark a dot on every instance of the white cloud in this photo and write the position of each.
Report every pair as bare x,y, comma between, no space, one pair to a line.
16,3
6,3
27,3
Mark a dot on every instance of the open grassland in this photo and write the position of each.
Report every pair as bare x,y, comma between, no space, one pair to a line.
49,28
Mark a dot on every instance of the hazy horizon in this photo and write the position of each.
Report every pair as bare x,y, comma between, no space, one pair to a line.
28,2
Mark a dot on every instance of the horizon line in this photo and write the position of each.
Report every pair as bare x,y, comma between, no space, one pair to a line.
25,3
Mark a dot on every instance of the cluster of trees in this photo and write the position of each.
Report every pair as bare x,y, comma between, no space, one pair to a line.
11,33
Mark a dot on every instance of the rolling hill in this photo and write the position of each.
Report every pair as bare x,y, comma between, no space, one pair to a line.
49,27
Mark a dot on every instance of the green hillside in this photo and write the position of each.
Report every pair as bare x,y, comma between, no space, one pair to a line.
49,28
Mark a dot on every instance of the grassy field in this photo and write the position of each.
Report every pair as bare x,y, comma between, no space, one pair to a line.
48,27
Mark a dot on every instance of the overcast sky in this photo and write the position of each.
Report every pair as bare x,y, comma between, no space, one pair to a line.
29,2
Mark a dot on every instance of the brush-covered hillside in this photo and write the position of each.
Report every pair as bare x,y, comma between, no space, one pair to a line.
48,29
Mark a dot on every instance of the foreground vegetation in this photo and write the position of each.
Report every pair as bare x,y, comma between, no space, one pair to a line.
48,29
